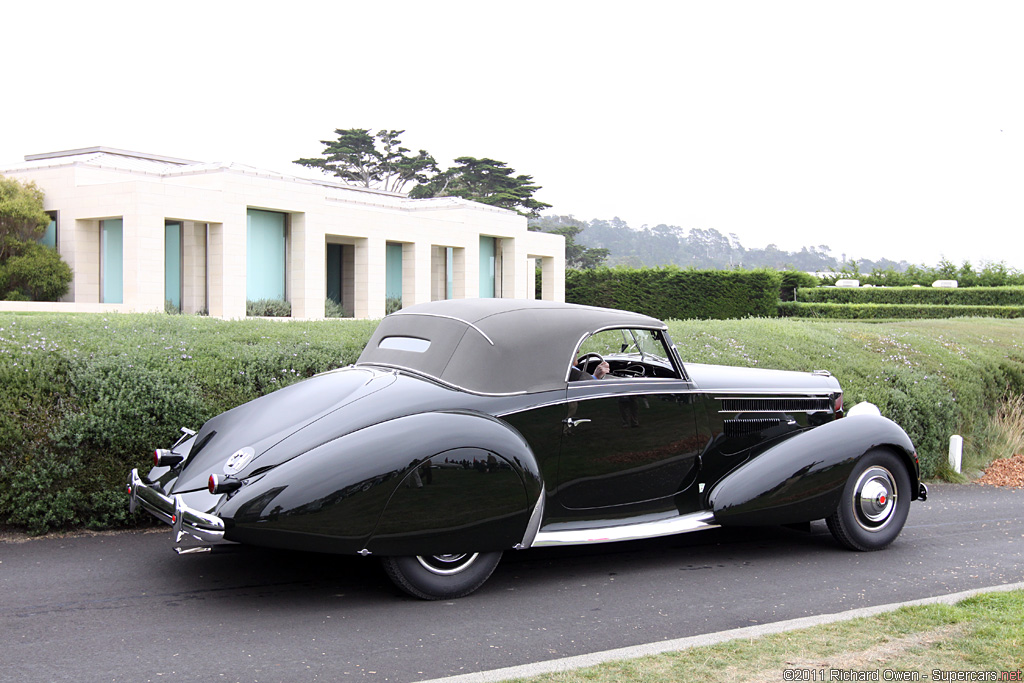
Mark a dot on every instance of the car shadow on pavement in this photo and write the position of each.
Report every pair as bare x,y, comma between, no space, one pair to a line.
262,577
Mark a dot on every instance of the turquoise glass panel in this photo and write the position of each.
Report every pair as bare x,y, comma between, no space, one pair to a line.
449,269
393,273
49,238
486,267
265,255
112,261
172,263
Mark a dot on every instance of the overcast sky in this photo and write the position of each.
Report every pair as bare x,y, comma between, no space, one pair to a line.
881,129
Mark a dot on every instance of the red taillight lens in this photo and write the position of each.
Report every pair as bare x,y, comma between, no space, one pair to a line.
839,404
165,458
217,485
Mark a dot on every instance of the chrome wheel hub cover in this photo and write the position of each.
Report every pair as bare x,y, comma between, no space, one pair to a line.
874,498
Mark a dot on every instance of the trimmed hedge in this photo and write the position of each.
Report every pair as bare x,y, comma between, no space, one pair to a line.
938,296
85,398
674,293
796,309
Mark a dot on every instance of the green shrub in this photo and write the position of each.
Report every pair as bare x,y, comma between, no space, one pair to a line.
34,273
392,304
792,280
333,309
268,308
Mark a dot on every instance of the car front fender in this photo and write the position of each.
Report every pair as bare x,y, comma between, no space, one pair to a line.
801,479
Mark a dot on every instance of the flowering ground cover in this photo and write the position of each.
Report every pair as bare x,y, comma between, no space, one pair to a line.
84,398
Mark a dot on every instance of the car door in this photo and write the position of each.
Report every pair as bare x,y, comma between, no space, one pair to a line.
627,442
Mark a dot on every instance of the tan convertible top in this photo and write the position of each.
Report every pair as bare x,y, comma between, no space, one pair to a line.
492,346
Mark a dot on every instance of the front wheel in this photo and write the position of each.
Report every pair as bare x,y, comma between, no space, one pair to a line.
441,577
875,503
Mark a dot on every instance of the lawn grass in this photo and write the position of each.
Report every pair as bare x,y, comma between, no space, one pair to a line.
982,635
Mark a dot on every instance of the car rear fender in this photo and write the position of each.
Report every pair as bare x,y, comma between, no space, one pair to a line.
475,497
333,497
802,478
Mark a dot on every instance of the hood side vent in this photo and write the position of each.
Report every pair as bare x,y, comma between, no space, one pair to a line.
775,405
751,426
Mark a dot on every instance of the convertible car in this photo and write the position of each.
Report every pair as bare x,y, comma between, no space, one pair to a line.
471,427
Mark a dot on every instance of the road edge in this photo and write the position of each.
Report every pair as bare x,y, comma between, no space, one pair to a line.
581,661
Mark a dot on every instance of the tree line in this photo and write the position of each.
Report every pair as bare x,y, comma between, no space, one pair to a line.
701,248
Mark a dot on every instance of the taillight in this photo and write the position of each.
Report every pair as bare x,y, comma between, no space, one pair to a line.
218,485
839,404
165,458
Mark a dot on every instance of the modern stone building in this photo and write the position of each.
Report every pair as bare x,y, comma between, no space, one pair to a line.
140,230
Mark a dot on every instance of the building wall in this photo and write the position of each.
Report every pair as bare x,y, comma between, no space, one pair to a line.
212,202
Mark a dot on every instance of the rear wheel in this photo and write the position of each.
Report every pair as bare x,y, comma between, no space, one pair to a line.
875,503
441,577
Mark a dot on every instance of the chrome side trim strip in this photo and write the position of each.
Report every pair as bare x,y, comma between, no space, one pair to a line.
184,520
697,521
412,371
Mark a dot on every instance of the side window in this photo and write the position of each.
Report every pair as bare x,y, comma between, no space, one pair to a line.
629,353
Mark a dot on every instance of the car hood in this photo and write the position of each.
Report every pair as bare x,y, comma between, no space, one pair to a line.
759,380
256,427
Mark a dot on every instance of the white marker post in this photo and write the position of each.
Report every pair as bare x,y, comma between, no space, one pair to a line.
956,452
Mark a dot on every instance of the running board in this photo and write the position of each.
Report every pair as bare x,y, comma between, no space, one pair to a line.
697,521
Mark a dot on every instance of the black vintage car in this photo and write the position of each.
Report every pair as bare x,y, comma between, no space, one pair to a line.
471,427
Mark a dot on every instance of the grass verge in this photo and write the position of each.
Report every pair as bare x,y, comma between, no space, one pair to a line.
979,639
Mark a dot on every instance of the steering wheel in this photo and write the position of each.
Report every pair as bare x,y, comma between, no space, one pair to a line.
583,361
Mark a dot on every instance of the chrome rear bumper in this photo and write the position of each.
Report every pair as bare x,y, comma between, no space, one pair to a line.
201,526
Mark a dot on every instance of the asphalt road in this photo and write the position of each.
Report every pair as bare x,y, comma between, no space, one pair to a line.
124,607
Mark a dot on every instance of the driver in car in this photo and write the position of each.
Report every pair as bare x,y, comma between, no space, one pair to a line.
576,375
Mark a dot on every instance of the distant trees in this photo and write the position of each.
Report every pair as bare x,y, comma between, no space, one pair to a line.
966,274
378,160
576,255
28,270
708,249
704,248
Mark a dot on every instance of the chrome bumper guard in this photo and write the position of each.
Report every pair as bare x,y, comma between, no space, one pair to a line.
172,510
